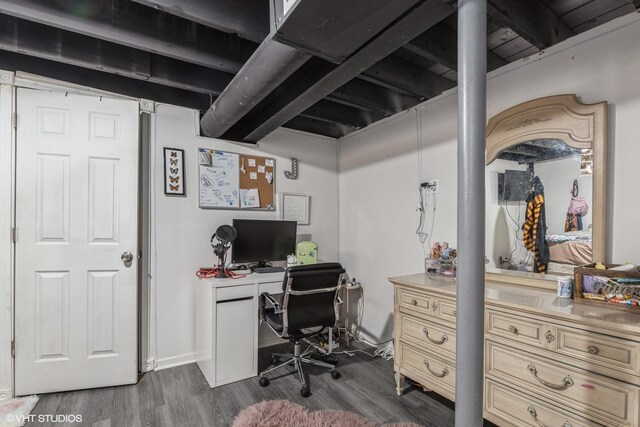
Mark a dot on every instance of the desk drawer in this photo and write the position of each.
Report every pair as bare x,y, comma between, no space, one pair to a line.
273,288
414,301
600,398
519,409
234,292
429,370
428,335
600,349
515,328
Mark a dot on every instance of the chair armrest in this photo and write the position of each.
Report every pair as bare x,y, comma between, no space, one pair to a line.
264,297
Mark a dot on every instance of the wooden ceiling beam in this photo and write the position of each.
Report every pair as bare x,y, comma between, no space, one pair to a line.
398,74
371,97
531,20
440,44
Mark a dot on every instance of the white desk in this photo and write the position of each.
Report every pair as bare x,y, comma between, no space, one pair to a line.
227,331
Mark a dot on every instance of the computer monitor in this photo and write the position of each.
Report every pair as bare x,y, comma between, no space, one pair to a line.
262,240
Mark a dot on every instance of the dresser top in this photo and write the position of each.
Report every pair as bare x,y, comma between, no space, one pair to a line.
531,299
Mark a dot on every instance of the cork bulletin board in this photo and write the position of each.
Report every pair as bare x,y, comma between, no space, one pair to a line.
235,181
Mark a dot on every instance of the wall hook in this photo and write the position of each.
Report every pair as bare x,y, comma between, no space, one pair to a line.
293,174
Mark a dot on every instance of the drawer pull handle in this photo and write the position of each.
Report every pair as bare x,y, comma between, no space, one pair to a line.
444,373
414,302
534,415
549,337
567,381
592,349
513,329
443,340
434,307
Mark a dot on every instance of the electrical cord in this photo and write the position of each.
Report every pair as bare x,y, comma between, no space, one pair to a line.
208,273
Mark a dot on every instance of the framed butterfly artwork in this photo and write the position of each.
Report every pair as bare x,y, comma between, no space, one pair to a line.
174,184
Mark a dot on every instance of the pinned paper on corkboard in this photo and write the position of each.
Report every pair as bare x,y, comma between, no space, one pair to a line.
226,177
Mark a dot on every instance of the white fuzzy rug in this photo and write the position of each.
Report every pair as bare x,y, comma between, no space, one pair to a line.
14,412
282,413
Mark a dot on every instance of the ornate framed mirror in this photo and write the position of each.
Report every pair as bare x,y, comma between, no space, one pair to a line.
546,189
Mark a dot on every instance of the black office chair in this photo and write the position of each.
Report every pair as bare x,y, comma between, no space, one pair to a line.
308,302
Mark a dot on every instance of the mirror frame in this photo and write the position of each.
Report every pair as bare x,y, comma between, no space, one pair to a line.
578,125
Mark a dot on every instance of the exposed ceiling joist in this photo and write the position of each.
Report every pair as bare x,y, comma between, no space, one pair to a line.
339,113
397,74
285,108
139,27
440,44
531,20
248,19
20,36
309,124
104,81
368,96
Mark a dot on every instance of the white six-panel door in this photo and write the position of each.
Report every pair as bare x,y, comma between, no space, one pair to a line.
76,214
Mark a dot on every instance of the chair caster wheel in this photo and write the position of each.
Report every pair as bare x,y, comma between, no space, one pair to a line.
274,360
305,392
264,381
335,375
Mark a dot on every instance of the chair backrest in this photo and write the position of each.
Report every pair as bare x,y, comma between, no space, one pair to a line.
309,294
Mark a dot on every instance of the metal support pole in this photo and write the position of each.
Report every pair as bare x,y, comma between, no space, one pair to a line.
472,69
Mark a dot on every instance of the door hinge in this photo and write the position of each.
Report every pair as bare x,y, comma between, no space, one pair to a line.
14,120
14,234
13,348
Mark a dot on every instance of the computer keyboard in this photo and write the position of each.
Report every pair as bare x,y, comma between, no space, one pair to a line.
268,269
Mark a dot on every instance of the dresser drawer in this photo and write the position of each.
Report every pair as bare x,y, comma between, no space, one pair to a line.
414,301
600,349
427,335
515,328
518,409
428,369
447,310
602,399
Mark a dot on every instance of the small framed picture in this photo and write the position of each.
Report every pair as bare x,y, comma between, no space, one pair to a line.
295,207
174,184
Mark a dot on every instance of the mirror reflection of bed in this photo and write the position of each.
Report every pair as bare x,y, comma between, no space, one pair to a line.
557,178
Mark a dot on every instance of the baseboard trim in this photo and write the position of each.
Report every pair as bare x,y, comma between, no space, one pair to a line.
170,362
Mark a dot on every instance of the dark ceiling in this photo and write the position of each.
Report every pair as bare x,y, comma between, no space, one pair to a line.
186,52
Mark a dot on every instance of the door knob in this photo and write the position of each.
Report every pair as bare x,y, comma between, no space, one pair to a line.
126,257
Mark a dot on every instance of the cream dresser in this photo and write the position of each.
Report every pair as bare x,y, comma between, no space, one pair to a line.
548,362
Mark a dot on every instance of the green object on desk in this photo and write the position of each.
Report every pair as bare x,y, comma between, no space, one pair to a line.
307,253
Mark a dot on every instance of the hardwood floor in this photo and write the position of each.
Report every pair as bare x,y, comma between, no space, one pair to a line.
181,397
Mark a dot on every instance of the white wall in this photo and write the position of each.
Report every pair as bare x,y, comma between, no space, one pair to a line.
379,165
557,177
183,230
